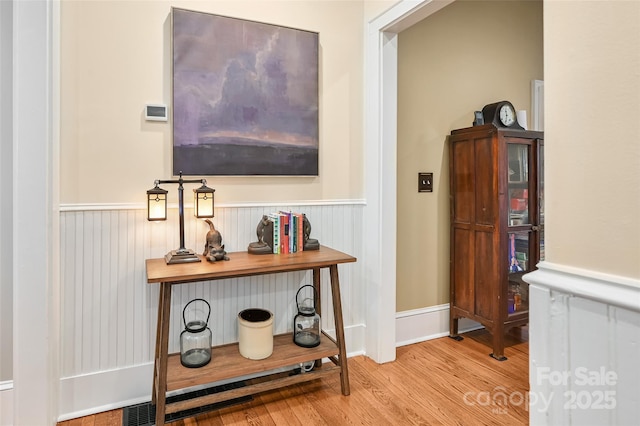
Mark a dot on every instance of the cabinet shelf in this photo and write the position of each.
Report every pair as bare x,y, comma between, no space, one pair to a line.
523,312
227,363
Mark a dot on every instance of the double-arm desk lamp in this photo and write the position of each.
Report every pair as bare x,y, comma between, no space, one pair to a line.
202,208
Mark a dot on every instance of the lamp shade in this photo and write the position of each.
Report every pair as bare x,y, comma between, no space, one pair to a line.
157,204
203,202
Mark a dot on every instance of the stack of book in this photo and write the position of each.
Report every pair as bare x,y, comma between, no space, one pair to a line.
285,233
518,252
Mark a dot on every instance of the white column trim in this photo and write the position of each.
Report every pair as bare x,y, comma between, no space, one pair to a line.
6,202
36,300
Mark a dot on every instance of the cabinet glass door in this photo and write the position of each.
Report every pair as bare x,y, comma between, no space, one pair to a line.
518,184
519,264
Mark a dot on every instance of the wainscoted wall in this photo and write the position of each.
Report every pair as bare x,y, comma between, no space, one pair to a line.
109,311
584,347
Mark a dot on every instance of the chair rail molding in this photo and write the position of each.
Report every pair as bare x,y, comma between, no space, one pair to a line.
281,205
610,289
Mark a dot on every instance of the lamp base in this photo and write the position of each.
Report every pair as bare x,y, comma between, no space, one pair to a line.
181,256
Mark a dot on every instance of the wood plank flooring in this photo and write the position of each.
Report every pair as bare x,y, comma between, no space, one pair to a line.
441,381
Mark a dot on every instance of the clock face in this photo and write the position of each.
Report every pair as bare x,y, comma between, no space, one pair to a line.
507,115
501,114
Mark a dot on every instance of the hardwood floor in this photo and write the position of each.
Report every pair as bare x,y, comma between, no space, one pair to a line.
441,381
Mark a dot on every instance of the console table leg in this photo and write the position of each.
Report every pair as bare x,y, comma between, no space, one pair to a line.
316,286
337,313
162,348
157,352
318,303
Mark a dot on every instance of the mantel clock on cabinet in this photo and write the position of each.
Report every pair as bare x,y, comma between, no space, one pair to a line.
497,225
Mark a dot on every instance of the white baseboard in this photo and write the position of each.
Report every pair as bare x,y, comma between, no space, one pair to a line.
108,390
105,390
6,403
419,325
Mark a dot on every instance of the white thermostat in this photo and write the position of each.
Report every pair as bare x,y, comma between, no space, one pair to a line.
155,112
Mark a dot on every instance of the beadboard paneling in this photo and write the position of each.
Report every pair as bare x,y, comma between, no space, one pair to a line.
584,347
109,311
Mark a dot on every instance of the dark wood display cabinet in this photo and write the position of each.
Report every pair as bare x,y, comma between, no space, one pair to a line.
497,226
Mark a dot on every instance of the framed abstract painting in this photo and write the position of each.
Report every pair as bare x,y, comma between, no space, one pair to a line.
245,97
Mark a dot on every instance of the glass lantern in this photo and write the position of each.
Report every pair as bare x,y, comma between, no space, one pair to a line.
195,340
306,324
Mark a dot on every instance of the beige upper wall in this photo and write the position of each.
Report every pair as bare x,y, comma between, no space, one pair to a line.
592,135
115,58
373,9
451,64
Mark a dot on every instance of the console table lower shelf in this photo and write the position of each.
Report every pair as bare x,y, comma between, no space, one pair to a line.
227,363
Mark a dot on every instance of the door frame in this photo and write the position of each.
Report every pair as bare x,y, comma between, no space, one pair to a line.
380,147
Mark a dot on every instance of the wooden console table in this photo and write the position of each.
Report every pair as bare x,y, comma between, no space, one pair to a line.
226,361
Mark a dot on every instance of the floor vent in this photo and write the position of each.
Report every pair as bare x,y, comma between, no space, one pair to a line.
145,414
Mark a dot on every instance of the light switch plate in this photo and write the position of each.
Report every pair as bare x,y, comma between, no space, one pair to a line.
425,182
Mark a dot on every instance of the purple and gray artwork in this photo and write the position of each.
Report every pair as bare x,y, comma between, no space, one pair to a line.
245,97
